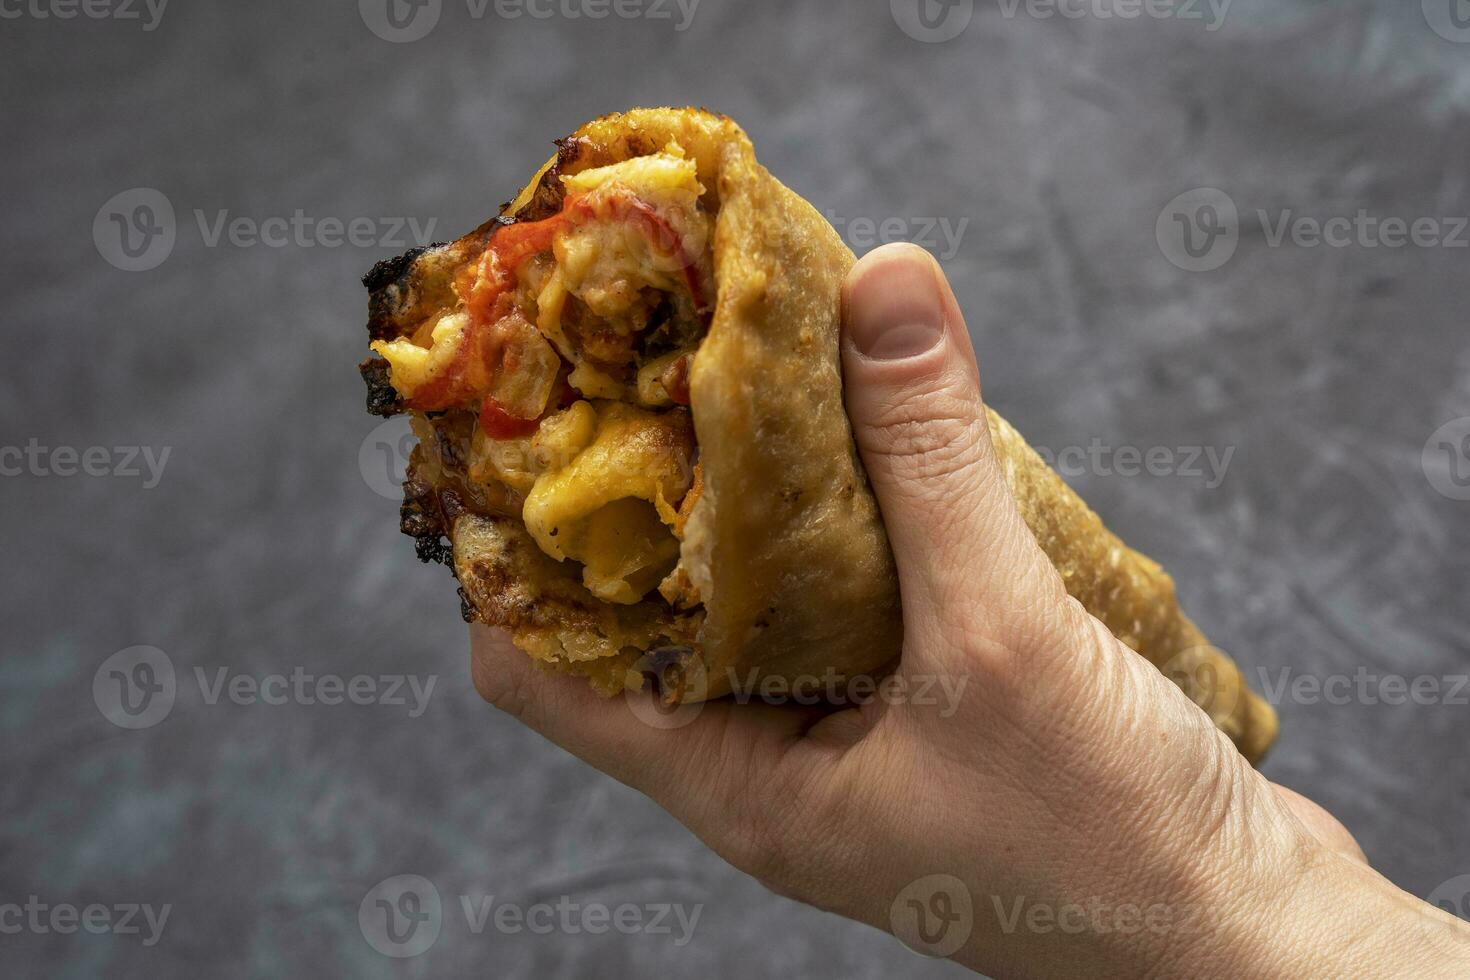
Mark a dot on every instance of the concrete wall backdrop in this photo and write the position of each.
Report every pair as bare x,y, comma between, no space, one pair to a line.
174,283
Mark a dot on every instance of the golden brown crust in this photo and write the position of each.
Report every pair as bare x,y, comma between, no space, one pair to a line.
1130,593
510,583
786,545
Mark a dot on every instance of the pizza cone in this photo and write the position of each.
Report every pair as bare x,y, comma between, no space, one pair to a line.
633,451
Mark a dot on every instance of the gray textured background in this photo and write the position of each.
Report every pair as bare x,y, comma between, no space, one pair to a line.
265,548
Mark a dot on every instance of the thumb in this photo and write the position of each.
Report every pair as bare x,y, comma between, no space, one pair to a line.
967,564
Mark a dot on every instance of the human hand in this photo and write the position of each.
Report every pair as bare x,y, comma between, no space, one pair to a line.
1067,776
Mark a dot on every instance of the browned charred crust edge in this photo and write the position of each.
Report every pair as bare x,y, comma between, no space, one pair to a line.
387,282
391,282
546,200
382,398
425,516
390,271
467,608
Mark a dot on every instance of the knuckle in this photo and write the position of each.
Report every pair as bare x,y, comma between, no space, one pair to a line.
1056,630
767,835
924,435
755,845
1004,631
808,832
758,839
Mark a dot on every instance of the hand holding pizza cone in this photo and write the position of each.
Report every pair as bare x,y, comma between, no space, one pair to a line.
646,448
1070,774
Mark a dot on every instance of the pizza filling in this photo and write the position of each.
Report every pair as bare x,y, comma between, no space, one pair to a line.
556,384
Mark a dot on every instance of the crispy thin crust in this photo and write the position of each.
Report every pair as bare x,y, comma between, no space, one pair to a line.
1131,594
509,582
786,545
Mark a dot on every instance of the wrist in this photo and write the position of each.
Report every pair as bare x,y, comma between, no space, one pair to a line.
1319,913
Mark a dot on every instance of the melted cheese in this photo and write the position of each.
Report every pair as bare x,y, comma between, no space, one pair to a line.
611,472
411,366
668,171
601,480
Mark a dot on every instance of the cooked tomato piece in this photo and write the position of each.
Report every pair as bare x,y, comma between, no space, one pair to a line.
500,424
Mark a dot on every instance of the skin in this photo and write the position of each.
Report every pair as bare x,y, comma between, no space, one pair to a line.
1070,790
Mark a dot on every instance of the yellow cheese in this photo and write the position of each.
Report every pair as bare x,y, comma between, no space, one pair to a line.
669,170
599,500
411,366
